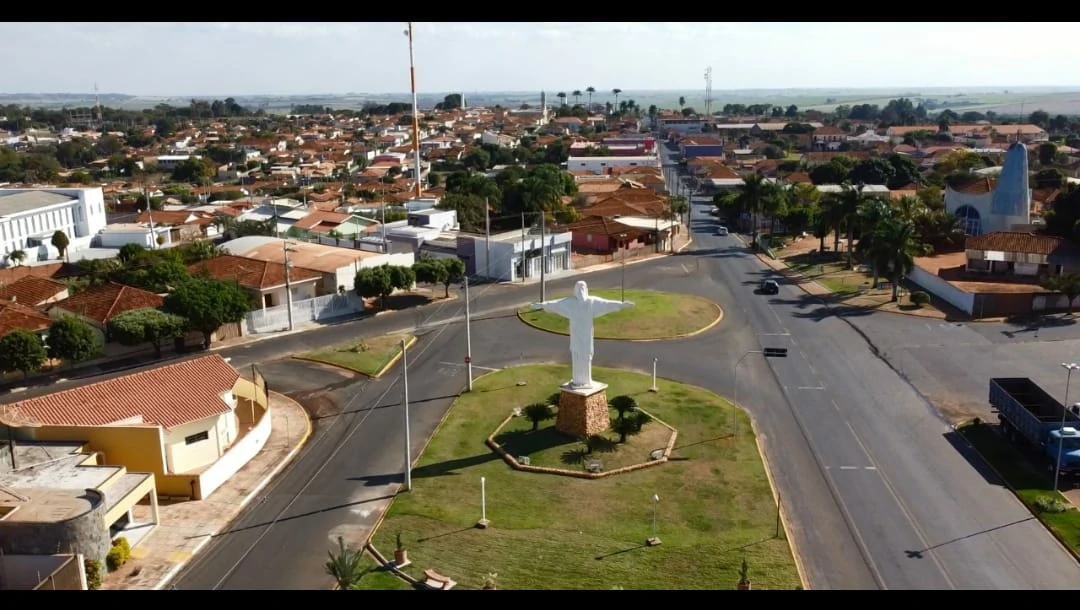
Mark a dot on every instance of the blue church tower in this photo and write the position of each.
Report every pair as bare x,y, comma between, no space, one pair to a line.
1012,196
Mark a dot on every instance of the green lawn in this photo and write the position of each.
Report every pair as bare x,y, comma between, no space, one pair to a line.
366,356
379,577
1029,482
655,315
549,448
552,532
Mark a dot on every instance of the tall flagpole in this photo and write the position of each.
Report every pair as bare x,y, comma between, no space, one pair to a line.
415,114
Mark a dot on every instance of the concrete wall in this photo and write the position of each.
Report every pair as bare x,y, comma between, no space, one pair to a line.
237,456
47,572
85,534
964,301
182,457
138,448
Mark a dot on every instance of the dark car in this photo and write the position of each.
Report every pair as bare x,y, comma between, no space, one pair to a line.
769,287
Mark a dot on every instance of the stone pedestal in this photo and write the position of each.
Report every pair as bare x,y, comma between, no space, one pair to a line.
583,411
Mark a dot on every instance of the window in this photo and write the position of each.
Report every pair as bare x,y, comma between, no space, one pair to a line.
195,438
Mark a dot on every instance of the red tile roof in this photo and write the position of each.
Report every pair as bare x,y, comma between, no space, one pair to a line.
105,302
168,396
31,290
1025,243
15,315
251,273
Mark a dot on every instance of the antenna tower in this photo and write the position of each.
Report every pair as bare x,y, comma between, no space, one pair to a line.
708,91
99,120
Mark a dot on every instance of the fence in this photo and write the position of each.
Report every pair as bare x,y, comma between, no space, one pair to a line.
964,301
310,310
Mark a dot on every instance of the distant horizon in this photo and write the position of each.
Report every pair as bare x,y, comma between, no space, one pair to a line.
899,89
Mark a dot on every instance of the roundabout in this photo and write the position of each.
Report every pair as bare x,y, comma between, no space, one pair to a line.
655,316
562,532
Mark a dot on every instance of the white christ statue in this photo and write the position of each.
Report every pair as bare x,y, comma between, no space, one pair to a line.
580,309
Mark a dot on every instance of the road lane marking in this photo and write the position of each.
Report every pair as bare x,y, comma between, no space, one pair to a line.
849,468
870,467
904,509
807,387
775,334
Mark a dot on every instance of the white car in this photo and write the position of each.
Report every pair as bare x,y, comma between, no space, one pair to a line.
721,230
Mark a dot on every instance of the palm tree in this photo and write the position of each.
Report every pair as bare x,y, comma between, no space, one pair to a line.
590,90
803,200
616,91
562,98
753,193
895,249
682,102
871,215
577,96
347,566
538,412
848,203
630,425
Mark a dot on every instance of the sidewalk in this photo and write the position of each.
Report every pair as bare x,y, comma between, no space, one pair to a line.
186,527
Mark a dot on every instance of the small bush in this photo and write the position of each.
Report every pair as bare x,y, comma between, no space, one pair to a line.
919,298
93,573
1050,504
119,554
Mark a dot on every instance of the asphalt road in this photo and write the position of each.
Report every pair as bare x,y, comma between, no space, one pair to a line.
876,493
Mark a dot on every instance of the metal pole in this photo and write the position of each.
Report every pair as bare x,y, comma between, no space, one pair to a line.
622,249
468,334
483,499
543,258
487,240
655,506
1061,431
405,395
654,388
11,445
523,246
288,285
415,115
382,222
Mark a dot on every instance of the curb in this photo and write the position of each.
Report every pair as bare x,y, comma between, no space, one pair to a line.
776,496
248,498
376,375
704,329
956,428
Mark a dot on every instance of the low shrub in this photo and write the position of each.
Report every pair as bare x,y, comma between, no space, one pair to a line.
1050,504
93,573
119,554
919,298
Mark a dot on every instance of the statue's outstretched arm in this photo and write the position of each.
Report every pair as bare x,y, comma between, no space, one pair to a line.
604,306
558,306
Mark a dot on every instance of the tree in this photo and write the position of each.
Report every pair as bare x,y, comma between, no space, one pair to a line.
848,203
152,326
590,90
577,96
430,271
1047,152
562,98
382,281
1067,284
616,91
455,272
682,102
206,304
22,350
72,340
131,252
346,566
629,425
677,206
538,412
60,241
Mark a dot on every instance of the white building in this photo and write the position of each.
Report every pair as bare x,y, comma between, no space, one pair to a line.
29,217
988,205
119,235
338,266
505,253
602,165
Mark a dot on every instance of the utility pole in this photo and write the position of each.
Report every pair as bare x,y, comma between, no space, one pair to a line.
468,334
523,247
405,401
487,239
543,258
415,113
288,285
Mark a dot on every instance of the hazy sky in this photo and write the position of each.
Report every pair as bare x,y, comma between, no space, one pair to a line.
163,59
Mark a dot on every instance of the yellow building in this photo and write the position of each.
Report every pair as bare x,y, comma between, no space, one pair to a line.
192,424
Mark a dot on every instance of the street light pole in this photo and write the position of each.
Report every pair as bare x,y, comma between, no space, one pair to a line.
543,258
405,401
288,283
653,388
1069,368
622,242
468,335
483,522
654,540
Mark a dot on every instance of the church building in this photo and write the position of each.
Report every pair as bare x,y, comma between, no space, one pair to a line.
988,205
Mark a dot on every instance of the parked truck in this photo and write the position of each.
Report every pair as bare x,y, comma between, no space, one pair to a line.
1031,418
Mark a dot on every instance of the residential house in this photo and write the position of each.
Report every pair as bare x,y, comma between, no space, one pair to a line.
33,291
701,146
97,305
265,281
192,424
345,226
1017,254
185,225
15,315
147,235
828,138
59,504
605,165
338,266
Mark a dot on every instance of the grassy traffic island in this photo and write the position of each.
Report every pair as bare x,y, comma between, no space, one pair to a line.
1032,485
655,315
370,356
716,507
